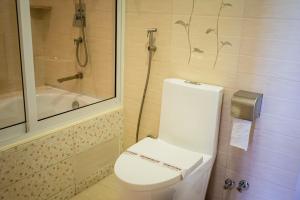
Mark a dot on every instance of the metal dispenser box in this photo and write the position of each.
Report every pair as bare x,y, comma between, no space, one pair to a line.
246,105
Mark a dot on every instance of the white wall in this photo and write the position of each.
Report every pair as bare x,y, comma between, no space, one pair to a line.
297,194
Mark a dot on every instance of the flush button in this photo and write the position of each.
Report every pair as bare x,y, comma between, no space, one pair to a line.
192,82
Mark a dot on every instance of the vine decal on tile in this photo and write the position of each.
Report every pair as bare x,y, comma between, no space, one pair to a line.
220,44
187,28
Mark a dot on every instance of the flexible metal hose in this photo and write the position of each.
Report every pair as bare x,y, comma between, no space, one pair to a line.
144,96
82,40
86,57
151,50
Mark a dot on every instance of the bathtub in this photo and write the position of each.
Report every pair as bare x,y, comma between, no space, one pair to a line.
50,101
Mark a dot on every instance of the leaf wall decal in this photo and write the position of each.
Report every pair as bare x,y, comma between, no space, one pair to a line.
226,43
210,30
197,50
187,27
220,44
180,22
227,5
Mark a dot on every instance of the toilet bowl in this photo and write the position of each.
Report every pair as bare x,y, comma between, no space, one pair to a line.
178,163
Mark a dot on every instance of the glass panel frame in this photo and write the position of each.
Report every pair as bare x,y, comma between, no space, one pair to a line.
35,127
55,59
19,123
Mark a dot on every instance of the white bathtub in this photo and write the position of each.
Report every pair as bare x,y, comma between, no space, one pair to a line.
50,101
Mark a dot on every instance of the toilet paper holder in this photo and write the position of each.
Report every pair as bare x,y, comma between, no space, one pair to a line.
246,105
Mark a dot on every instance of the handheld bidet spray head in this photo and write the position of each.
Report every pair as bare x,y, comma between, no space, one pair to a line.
150,35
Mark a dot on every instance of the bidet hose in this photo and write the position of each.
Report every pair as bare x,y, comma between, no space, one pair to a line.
144,96
151,50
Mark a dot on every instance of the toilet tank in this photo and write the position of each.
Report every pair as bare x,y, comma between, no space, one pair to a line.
190,115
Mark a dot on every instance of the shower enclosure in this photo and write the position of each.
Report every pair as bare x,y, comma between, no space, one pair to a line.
56,56
11,93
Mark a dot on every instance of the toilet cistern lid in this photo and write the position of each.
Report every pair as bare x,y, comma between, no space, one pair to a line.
153,163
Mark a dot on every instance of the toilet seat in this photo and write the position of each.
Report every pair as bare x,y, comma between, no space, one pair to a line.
152,164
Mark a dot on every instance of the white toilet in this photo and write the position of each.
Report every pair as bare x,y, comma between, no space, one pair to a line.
177,165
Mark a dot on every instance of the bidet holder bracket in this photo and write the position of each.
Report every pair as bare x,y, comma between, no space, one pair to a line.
151,46
151,31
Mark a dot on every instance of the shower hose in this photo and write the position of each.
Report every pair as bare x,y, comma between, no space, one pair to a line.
86,57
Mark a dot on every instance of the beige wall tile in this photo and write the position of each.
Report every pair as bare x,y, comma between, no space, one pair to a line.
208,7
283,9
44,184
278,124
270,86
270,49
280,107
145,6
272,29
283,70
263,58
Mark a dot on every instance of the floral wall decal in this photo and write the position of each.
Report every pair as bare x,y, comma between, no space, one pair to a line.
187,28
220,44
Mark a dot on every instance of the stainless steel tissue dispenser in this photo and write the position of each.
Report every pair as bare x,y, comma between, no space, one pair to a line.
246,105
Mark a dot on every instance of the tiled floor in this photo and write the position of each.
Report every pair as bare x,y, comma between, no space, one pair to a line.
106,189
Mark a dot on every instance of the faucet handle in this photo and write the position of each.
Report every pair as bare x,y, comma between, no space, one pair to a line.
229,184
243,186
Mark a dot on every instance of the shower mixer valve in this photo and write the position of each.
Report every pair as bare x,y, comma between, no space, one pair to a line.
243,186
229,184
80,22
79,16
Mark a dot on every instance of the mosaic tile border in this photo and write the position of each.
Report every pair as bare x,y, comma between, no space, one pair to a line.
43,168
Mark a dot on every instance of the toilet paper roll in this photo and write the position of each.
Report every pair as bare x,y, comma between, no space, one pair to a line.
240,133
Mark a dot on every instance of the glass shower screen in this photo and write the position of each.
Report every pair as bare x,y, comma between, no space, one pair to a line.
11,89
74,44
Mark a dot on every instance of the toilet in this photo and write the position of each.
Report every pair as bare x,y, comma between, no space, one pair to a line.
176,165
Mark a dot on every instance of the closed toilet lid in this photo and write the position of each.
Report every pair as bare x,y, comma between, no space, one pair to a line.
152,163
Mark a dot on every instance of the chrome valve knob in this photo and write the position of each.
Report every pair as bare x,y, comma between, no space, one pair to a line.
243,186
229,184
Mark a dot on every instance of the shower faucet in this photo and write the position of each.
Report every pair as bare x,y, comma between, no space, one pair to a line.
80,15
69,78
80,22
